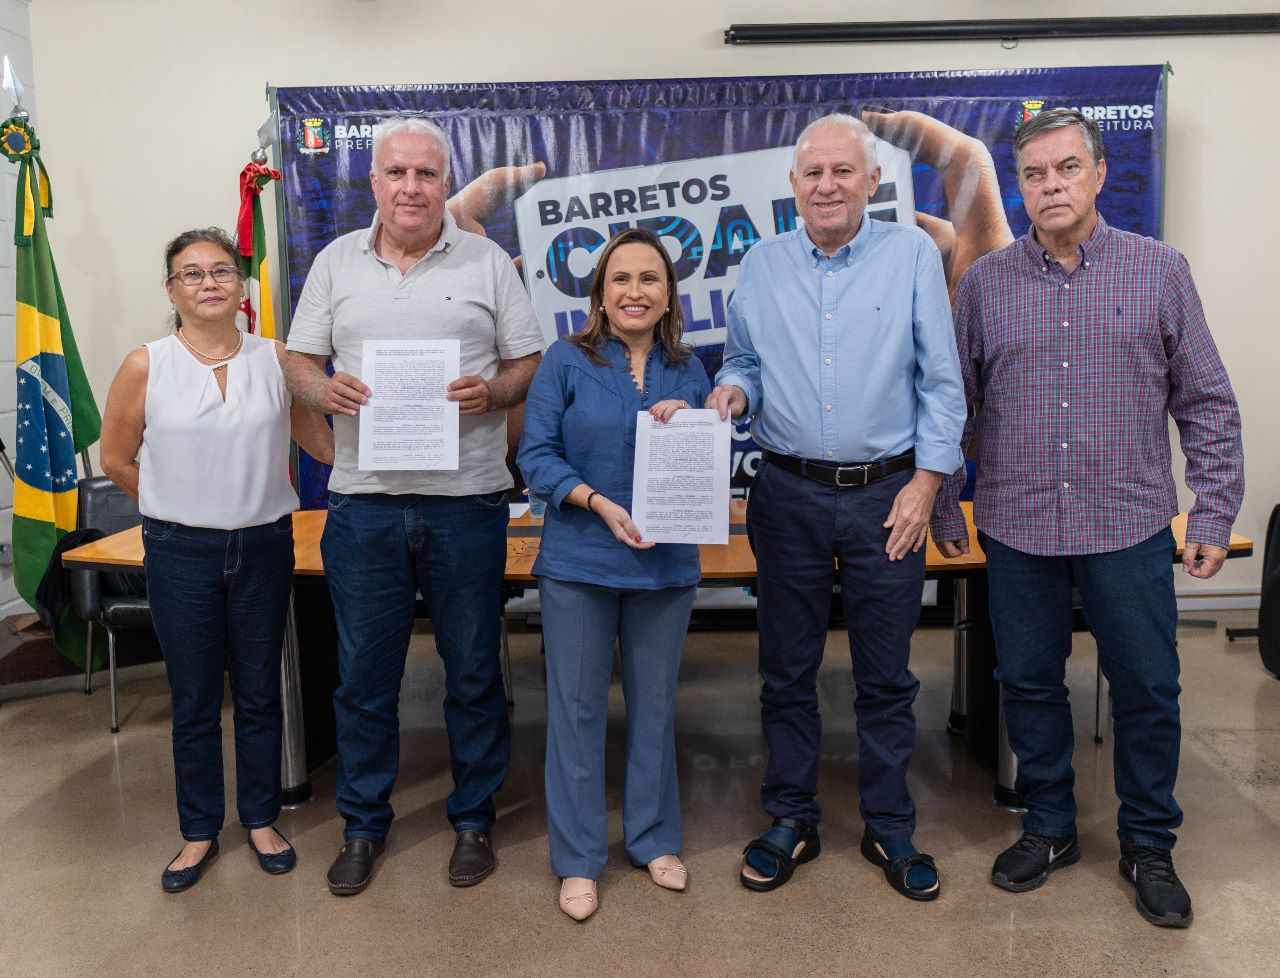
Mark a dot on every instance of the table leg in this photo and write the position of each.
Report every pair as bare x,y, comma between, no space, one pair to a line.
1101,694
1005,795
982,692
506,661
295,785
960,661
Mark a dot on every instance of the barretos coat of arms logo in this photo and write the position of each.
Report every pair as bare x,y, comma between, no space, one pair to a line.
314,137
1030,109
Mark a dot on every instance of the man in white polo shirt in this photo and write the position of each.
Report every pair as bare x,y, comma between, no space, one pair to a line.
415,275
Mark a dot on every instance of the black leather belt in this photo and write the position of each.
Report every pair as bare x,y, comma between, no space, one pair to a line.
845,475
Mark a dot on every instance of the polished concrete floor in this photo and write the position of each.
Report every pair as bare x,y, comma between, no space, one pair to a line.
87,823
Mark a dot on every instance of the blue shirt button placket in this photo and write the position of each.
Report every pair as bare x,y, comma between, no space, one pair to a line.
648,366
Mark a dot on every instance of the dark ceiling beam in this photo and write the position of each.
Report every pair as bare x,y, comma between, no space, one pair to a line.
1003,30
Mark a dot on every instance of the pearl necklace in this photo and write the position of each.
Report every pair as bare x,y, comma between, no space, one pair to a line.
187,344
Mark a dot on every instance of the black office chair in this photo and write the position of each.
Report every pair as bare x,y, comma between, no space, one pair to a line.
103,597
1269,603
1268,630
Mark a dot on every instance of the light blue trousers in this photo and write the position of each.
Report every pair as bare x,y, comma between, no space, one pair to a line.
580,623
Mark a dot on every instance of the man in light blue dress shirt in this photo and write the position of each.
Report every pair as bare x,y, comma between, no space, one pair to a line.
842,355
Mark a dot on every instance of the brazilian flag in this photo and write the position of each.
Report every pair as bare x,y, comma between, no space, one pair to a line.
57,417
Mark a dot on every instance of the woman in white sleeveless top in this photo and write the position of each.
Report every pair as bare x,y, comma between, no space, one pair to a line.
197,430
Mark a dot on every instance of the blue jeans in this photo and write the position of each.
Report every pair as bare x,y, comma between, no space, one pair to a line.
798,530
581,623
222,595
1130,608
379,552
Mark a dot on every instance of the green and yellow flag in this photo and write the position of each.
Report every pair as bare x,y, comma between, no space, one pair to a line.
256,313
56,414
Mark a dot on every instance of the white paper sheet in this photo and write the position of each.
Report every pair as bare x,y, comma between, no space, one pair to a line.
680,489
407,424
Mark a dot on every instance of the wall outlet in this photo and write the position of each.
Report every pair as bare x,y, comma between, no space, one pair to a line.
6,555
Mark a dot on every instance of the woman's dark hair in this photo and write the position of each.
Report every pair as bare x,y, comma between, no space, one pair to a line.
667,331
214,236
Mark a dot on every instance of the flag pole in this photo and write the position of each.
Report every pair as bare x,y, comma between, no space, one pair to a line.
257,313
4,459
13,88
57,417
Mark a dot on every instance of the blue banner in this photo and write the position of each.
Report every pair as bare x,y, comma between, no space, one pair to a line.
550,169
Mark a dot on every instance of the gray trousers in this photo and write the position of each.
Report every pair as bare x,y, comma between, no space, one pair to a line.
580,624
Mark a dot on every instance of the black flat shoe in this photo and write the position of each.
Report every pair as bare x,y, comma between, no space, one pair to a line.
177,880
352,870
275,863
472,858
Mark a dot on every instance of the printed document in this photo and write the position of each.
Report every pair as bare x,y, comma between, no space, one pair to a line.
680,489
407,424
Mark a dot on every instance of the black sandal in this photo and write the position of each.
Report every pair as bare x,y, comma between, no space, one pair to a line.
807,847
896,869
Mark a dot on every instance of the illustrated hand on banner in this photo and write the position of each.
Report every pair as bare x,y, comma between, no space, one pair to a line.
488,195
491,193
977,223
970,185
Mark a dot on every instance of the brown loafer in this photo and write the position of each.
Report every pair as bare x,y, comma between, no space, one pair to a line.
472,858
352,870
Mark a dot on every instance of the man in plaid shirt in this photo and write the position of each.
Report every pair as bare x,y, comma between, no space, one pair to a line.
1075,343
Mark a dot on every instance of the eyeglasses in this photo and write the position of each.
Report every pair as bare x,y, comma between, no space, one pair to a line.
192,277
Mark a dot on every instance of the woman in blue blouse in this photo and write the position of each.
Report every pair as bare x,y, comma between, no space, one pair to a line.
598,581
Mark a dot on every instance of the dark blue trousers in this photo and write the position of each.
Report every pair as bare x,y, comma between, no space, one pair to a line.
1130,608
799,529
379,552
221,596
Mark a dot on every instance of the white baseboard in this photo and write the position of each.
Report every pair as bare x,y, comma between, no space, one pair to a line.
1219,599
714,598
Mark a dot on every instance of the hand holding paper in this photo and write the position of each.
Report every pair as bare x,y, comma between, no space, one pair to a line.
471,393
344,394
665,410
620,524
408,424
680,487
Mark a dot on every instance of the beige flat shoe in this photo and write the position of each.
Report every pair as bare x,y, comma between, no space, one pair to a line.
578,897
669,873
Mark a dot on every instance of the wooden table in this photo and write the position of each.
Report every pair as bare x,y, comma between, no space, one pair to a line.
721,564
975,694
729,564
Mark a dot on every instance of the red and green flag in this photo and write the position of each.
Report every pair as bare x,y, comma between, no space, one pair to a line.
256,313
57,417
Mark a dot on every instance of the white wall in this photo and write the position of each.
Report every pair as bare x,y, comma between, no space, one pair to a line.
15,41
148,112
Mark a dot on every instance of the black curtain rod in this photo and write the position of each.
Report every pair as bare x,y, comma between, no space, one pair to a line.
1001,30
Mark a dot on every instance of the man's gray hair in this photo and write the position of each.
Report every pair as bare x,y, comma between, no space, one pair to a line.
1052,119
409,123
856,128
